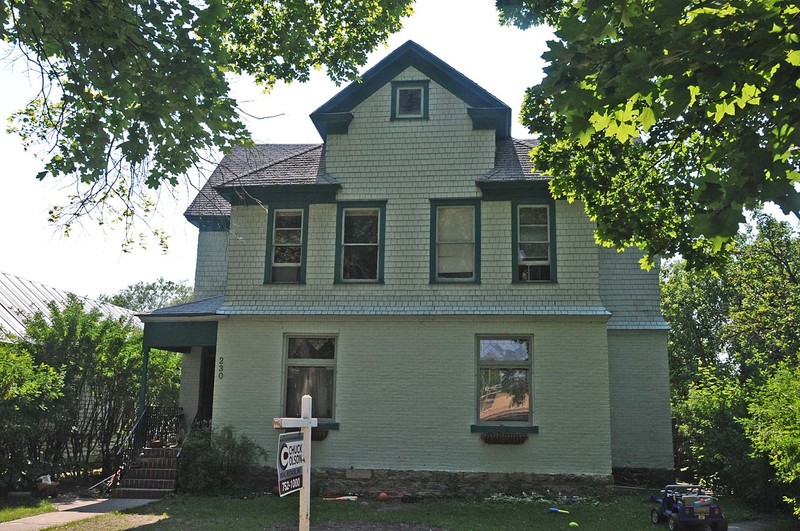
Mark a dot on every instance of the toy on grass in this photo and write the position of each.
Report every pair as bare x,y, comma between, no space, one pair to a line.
557,510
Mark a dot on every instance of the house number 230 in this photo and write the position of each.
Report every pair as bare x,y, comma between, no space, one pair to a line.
219,370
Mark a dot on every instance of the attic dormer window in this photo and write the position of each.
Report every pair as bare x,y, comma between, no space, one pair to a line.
409,100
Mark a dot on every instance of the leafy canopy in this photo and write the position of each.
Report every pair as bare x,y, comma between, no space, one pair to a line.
734,359
135,94
668,118
147,296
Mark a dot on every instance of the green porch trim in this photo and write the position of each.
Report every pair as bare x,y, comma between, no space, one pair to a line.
274,207
435,204
179,336
488,428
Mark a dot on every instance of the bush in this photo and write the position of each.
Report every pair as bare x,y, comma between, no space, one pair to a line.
216,460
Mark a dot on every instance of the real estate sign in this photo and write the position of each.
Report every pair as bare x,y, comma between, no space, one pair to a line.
290,462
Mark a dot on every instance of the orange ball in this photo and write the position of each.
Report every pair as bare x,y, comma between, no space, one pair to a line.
383,496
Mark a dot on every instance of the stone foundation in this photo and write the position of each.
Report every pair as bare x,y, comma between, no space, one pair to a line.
435,484
643,477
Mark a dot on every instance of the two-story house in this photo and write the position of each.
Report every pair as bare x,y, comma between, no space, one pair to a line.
451,321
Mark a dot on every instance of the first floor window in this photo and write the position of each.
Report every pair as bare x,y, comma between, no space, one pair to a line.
504,379
534,246
455,242
286,256
310,367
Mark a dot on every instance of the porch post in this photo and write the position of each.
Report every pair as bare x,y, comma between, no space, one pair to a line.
143,387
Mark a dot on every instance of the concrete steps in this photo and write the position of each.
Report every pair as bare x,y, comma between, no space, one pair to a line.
153,475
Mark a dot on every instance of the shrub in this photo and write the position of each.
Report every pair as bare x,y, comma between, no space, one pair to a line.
216,460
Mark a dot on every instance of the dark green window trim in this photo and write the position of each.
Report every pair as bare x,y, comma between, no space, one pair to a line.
503,426
323,423
423,85
551,204
273,208
340,210
435,204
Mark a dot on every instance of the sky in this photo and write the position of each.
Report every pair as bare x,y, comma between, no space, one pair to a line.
90,261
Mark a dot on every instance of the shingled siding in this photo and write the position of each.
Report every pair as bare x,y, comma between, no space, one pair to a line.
640,411
406,392
629,292
407,289
438,157
211,269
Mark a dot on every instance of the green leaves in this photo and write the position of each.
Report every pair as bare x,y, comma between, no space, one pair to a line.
704,91
733,353
135,95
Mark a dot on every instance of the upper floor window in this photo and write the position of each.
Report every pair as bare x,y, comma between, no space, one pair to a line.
409,99
455,241
534,246
286,246
360,233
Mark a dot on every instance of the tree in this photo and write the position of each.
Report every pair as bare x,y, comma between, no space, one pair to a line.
146,296
773,425
99,360
133,94
734,352
667,118
27,391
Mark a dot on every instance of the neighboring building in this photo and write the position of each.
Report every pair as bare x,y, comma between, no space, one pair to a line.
21,298
416,278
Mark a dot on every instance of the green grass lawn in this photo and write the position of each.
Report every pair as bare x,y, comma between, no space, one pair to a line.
625,511
15,508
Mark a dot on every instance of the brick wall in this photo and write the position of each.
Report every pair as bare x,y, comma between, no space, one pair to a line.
406,392
640,413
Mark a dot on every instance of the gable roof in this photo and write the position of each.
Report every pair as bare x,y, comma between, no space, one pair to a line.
485,108
247,173
21,298
209,210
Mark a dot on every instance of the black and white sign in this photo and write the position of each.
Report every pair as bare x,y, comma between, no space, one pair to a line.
290,462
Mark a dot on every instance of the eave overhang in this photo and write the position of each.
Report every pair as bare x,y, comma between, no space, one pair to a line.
266,194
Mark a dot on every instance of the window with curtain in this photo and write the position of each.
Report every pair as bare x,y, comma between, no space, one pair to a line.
310,368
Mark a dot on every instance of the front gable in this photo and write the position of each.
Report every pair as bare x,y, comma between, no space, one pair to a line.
484,110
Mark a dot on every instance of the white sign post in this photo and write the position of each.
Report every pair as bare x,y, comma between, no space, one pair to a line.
294,453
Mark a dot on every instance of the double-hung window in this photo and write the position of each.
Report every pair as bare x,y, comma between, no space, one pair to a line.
286,246
310,370
534,243
455,241
504,380
360,232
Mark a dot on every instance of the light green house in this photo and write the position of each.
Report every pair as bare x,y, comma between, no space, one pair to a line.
457,328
